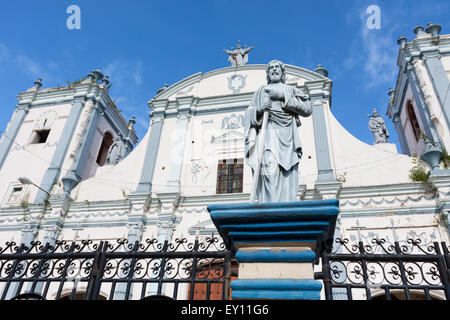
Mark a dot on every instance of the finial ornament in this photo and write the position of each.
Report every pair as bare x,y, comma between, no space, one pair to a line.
238,56
105,81
38,83
162,89
98,75
401,41
433,28
418,30
321,70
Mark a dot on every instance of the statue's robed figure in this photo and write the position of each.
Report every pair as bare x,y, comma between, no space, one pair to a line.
278,179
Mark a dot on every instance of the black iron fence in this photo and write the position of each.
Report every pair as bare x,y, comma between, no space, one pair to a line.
386,271
202,270
105,271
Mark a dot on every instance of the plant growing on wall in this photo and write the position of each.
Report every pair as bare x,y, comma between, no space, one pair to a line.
418,172
445,159
24,202
75,82
342,177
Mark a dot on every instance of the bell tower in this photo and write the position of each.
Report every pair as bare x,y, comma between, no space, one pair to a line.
58,137
420,104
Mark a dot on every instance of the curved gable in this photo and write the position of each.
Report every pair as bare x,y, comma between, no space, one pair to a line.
234,80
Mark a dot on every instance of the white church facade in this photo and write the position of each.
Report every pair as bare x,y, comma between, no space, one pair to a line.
84,176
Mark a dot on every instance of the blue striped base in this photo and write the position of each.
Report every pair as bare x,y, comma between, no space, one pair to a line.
303,222
304,289
275,255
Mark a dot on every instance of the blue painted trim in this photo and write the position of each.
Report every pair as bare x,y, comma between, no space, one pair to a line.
277,241
440,82
11,133
274,214
401,135
145,182
297,225
307,289
82,156
291,204
54,170
275,295
276,284
76,173
424,112
276,234
284,222
273,255
325,172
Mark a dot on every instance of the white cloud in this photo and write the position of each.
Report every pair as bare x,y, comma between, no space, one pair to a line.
28,65
374,51
122,74
125,77
380,57
31,67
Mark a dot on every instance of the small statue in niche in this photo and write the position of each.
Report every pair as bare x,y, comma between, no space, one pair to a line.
378,128
115,152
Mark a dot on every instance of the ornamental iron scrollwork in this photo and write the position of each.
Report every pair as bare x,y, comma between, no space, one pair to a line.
406,266
60,267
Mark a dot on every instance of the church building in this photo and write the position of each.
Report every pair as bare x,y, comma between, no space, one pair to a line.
71,167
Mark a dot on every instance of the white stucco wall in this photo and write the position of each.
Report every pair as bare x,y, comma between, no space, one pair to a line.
32,160
365,165
446,62
112,182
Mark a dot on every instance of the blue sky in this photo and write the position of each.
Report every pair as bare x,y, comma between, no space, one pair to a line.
143,44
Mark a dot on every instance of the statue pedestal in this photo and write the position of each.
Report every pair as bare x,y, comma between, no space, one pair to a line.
276,245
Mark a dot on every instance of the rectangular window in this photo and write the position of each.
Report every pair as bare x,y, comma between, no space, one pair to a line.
40,136
230,176
15,194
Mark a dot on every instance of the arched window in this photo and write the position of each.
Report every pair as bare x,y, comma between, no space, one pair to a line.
104,147
413,120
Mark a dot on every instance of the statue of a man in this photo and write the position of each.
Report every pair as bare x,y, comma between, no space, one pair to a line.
278,180
378,128
238,56
115,152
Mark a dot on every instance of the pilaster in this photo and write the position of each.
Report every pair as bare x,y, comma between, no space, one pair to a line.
13,129
167,218
178,143
328,190
157,120
52,173
74,176
439,78
325,171
400,133
54,221
424,111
